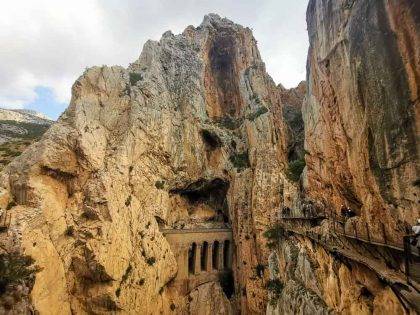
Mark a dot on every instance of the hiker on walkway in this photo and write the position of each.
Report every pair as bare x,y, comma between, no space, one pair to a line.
286,212
346,212
416,231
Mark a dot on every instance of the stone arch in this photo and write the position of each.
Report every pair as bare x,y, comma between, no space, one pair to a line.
215,256
204,256
192,252
226,253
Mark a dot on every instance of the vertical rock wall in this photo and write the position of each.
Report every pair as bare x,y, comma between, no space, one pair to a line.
361,120
361,115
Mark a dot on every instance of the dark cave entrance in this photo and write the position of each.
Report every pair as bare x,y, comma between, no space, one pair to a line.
210,192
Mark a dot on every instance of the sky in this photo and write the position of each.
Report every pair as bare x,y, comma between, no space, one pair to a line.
45,45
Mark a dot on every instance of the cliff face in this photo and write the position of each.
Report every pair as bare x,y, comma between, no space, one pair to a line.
292,100
362,113
361,121
191,129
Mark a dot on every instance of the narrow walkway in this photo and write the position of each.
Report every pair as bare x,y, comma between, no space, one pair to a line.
398,281
363,236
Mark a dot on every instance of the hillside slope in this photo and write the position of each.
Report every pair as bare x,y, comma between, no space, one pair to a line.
18,130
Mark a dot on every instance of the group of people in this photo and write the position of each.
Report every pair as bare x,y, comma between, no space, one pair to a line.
416,231
346,212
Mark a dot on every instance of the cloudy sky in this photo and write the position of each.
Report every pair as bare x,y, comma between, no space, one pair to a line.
46,44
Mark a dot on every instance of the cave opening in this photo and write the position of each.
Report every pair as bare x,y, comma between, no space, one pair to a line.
211,140
210,192
222,56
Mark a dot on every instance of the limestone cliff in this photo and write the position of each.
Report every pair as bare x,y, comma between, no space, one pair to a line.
361,121
190,133
292,100
362,115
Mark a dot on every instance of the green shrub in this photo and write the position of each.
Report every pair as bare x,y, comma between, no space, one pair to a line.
11,204
271,245
69,230
275,287
274,233
90,214
260,111
160,184
15,268
229,122
135,77
240,160
295,169
151,261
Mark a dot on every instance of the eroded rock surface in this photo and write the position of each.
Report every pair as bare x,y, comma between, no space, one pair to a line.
361,122
190,135
362,112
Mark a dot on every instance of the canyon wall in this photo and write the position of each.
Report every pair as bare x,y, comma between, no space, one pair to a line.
362,112
194,134
190,133
361,121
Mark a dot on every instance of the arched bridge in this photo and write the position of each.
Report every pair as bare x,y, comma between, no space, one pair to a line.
202,254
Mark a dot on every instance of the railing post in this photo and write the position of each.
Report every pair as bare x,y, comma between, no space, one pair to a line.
407,256
221,255
355,229
383,233
344,228
367,231
209,267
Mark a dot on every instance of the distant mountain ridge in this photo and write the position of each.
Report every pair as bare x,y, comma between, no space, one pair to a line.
25,115
19,128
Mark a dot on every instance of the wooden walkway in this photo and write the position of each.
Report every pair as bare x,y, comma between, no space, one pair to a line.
354,233
309,218
408,290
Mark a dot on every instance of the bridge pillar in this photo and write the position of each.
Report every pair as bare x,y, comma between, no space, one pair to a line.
221,250
182,261
209,266
197,259
230,255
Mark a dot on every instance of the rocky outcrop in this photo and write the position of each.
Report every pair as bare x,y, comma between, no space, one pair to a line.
292,100
361,122
190,133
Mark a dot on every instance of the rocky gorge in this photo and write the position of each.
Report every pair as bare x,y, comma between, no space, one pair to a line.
194,136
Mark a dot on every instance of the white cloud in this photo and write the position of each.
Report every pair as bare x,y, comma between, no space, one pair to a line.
50,42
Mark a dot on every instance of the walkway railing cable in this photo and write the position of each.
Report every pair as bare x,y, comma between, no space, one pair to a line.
339,228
